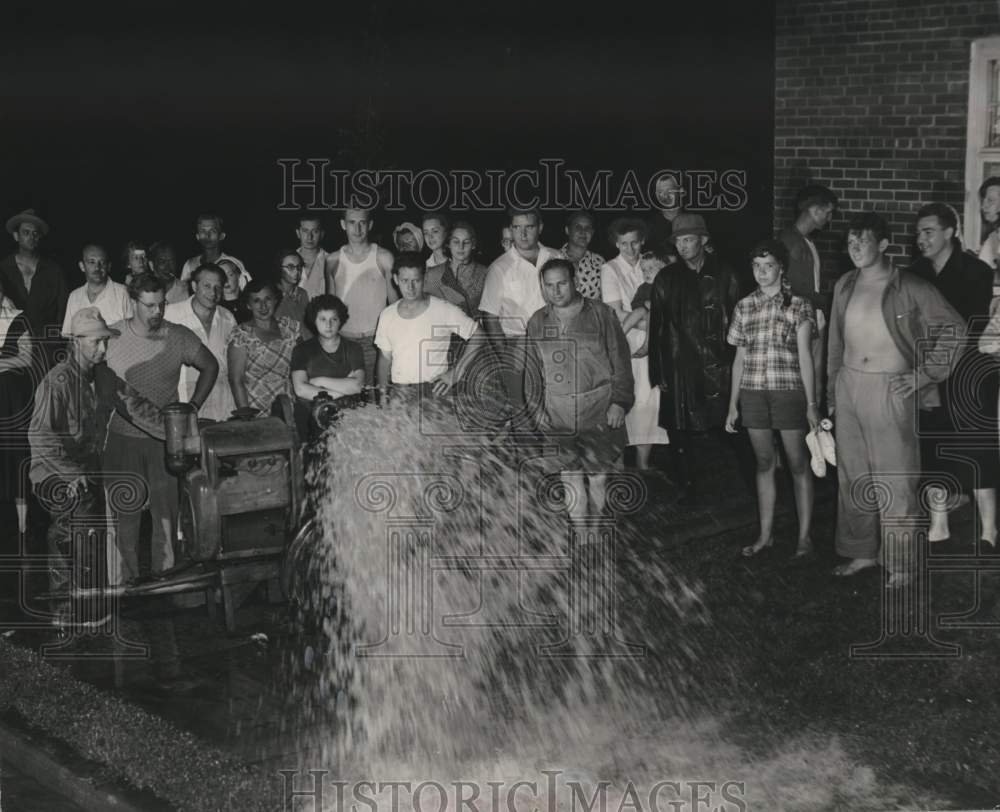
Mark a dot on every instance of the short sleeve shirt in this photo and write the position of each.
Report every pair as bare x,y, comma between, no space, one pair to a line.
513,289
419,346
151,364
113,302
310,357
769,332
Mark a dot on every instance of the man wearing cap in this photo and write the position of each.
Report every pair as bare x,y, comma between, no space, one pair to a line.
704,322
34,283
149,357
108,296
68,426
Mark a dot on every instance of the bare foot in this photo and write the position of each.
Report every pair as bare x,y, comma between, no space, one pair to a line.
898,580
753,549
804,548
854,566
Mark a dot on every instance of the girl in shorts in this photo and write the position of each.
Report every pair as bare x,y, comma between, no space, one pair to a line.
772,331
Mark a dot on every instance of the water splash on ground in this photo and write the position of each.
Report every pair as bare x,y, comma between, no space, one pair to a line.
426,664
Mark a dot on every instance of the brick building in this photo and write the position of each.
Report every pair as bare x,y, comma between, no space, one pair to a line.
876,99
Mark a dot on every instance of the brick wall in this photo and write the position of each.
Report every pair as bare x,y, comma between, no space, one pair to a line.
870,99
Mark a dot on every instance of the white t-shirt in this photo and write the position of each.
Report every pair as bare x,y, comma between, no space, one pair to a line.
113,302
513,289
419,346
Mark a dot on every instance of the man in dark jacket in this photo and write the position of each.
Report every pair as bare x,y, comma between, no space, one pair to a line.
689,358
35,283
966,421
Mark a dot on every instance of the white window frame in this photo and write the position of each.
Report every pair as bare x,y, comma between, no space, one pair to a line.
977,154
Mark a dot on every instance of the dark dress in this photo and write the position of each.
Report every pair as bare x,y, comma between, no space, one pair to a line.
16,392
965,425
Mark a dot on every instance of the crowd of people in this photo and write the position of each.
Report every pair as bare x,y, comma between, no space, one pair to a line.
655,346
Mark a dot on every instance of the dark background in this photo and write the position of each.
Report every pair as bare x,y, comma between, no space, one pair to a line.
126,127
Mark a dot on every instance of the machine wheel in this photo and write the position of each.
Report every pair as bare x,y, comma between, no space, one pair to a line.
298,554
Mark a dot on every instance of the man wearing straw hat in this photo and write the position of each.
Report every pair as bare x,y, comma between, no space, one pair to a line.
34,283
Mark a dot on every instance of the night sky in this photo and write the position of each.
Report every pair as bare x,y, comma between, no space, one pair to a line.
126,128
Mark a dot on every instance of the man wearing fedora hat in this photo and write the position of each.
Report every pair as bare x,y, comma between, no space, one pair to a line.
689,359
34,283
68,425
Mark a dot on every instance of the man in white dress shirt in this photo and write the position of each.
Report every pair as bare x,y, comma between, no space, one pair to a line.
512,294
212,324
109,297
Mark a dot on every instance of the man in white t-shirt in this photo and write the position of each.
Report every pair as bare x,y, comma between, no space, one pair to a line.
511,295
210,235
414,334
109,297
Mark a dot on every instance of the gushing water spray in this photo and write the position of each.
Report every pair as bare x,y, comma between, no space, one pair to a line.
461,611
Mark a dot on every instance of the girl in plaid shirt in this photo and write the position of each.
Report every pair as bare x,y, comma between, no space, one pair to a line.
773,383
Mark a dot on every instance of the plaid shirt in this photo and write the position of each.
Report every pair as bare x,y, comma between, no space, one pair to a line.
769,331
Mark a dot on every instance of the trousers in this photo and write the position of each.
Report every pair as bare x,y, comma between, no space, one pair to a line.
145,457
878,469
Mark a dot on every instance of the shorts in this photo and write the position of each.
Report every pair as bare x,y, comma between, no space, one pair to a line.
780,409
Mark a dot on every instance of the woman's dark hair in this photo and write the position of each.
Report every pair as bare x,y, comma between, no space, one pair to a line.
467,226
776,249
281,255
256,285
325,301
623,225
